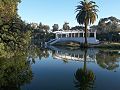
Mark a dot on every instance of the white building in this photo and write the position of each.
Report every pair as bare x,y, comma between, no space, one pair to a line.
74,35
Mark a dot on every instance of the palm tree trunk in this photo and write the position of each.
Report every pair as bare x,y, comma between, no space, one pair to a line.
85,43
85,58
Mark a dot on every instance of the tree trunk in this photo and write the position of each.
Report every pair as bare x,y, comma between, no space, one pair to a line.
85,35
85,60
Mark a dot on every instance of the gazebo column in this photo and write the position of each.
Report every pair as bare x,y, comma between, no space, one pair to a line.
88,34
67,34
74,34
83,34
78,34
56,35
95,34
61,36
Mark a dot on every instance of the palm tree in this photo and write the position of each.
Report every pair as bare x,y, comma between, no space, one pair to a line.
87,14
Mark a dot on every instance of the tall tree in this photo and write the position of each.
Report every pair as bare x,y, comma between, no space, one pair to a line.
8,9
46,28
55,27
87,14
66,26
13,31
109,24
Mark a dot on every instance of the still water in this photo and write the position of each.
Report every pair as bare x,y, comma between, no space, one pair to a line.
60,68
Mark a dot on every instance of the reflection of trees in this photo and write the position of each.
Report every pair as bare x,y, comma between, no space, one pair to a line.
84,78
35,52
14,72
108,59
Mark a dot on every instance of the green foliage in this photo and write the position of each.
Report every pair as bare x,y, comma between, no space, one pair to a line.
55,27
66,26
15,34
109,24
108,29
15,71
2,50
8,9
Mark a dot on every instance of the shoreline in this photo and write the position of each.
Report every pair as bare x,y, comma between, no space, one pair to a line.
108,46
101,46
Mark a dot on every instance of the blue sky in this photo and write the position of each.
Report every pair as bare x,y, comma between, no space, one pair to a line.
59,11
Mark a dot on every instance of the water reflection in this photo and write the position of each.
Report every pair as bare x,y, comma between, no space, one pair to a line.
67,54
15,71
37,52
42,68
108,59
84,78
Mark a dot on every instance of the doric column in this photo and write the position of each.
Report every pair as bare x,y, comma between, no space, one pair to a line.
95,34
56,35
83,33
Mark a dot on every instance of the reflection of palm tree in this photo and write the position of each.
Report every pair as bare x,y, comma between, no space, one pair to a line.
84,78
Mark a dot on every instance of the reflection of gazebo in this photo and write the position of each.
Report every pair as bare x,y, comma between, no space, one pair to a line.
75,55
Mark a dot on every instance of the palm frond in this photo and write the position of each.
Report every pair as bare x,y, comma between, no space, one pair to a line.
86,12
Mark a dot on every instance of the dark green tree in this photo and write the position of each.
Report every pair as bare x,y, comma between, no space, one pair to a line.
66,26
55,27
14,32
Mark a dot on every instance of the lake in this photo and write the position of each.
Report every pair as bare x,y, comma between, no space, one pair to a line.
61,68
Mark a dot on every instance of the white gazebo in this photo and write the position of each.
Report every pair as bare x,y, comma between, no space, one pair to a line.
74,35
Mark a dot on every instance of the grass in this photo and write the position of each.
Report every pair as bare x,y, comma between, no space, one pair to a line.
108,45
103,45
71,44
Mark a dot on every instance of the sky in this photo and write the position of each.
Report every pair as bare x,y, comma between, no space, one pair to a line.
51,12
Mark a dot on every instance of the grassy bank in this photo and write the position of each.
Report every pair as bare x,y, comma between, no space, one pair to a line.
71,44
107,46
103,45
